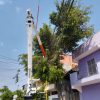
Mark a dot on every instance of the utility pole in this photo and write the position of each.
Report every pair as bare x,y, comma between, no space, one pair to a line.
30,27
29,31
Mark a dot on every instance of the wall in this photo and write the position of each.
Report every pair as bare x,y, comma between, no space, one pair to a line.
52,97
83,68
91,92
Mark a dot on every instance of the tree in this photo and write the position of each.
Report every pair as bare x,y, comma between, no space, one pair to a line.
71,25
45,68
6,94
20,94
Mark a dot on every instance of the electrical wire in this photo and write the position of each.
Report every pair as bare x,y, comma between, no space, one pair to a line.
9,65
5,62
8,58
11,69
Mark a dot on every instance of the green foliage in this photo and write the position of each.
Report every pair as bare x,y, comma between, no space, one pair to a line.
46,71
71,25
56,74
49,67
6,94
41,69
23,61
19,94
45,35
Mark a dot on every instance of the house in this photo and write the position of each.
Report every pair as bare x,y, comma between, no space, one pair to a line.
66,91
52,92
87,79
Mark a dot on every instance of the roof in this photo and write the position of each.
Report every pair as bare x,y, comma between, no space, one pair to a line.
88,47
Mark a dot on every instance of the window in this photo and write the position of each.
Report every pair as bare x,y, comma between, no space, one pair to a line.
92,67
54,92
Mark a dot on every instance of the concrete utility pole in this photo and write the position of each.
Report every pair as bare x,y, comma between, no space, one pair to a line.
29,31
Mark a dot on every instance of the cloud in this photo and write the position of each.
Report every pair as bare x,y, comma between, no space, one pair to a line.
17,9
4,2
1,44
15,50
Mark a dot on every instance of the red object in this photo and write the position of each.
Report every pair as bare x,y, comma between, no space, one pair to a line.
42,49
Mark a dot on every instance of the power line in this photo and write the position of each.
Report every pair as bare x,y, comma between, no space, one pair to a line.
8,66
7,69
11,69
8,58
8,62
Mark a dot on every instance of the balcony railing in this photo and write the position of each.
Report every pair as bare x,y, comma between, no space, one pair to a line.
50,87
78,81
91,45
81,49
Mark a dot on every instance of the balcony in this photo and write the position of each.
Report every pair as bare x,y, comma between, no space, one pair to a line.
50,87
77,83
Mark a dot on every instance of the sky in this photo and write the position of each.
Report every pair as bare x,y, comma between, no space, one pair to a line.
13,34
